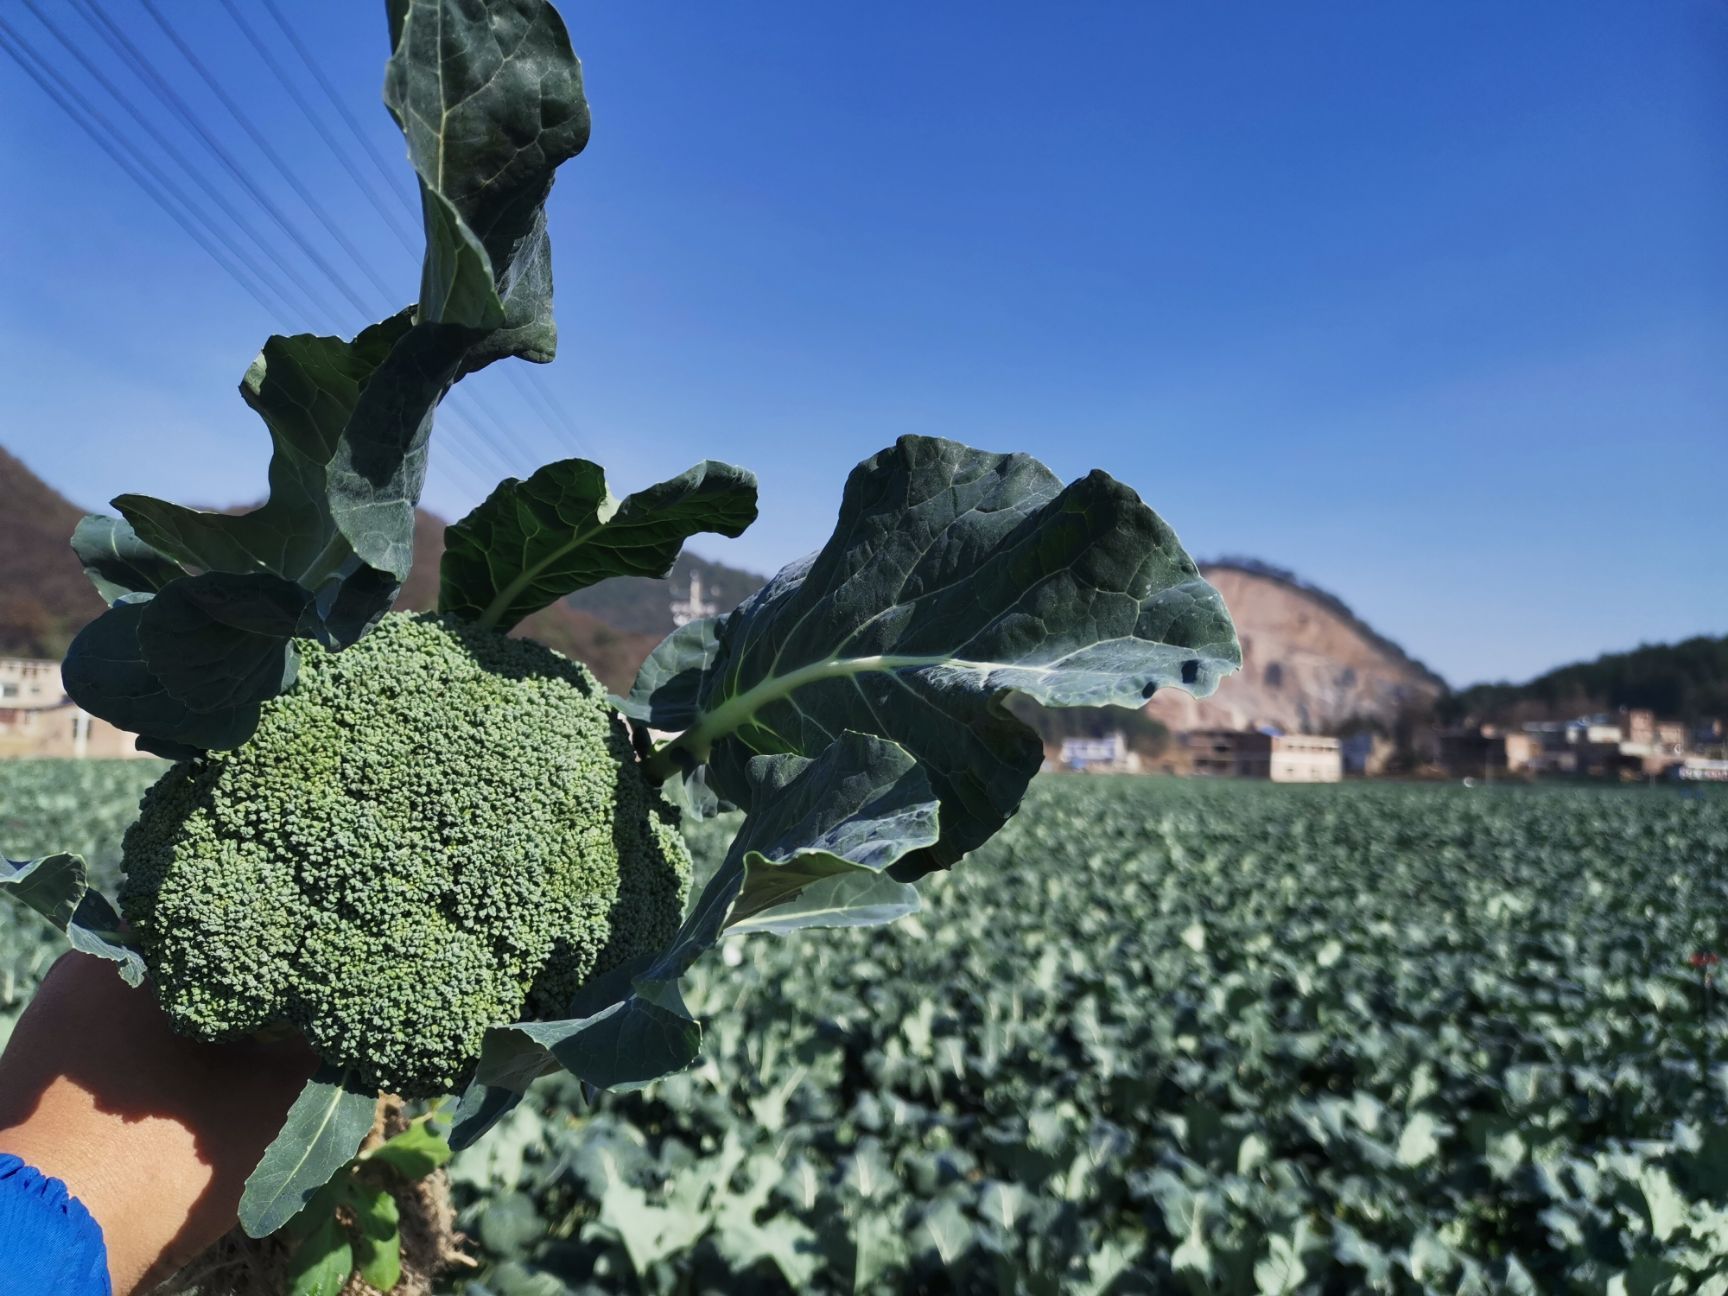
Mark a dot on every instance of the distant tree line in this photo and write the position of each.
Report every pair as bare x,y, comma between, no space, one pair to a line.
1681,681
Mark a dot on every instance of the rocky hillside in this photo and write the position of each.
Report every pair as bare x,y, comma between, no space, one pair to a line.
1310,665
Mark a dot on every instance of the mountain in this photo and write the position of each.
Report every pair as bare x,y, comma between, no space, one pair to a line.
1682,681
1309,663
44,598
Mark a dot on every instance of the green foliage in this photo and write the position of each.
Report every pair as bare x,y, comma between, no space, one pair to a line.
57,887
352,1225
489,99
81,807
814,855
954,578
323,1131
1366,1038
1686,680
534,542
435,832
1185,1037
433,851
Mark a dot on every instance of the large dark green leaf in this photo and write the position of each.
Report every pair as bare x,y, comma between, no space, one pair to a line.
668,690
489,98
307,389
117,561
57,887
323,1131
533,542
855,810
954,577
220,642
106,673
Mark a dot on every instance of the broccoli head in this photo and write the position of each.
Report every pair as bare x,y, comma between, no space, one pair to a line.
437,830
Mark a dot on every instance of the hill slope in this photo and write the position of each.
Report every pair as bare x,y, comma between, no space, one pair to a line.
1683,681
44,598
1309,664
644,606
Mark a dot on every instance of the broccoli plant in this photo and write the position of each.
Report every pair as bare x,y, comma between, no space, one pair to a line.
443,855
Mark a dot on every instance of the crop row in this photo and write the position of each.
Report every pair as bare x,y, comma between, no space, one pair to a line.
1156,1037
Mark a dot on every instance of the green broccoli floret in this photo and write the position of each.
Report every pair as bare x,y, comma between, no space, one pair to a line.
438,830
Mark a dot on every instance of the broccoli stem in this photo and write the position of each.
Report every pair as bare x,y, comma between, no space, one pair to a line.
696,744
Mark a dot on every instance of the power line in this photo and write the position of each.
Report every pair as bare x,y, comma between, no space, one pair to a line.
287,173
478,411
390,217
161,189
390,176
268,150
146,71
553,416
167,147
187,212
465,412
102,133
556,423
486,477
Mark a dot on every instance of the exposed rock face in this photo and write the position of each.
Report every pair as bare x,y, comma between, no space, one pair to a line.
1309,665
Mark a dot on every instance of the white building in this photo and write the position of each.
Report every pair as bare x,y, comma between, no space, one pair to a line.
38,719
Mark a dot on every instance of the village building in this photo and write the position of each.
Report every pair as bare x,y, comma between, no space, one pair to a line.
1107,755
1489,751
1632,743
38,719
1256,753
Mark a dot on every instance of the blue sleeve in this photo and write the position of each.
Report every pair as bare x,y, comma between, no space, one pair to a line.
48,1241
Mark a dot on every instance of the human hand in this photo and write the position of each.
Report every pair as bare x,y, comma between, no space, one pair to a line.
153,1132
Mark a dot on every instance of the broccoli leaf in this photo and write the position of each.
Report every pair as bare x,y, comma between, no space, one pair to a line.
220,642
378,1236
668,690
307,389
57,887
814,893
324,1129
851,812
107,674
323,1261
489,98
954,577
117,561
533,542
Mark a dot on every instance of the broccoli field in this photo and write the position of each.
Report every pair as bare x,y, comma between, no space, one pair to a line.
1158,1037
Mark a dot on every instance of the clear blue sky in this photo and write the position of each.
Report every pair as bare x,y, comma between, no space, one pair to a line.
1427,302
